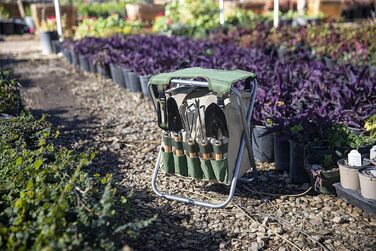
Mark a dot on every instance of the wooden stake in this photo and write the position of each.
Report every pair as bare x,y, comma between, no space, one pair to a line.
21,8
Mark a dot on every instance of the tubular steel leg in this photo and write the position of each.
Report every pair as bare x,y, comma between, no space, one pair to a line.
198,202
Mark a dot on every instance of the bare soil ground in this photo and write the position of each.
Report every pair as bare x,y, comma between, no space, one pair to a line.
270,213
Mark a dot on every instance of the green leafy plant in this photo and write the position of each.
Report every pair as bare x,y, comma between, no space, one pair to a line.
370,126
189,17
10,100
340,136
106,27
47,200
105,9
4,13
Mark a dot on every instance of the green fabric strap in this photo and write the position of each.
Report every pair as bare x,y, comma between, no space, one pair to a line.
191,148
178,145
167,140
206,149
219,81
220,149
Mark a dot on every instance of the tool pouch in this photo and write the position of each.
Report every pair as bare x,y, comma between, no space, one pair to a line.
220,170
180,163
167,157
219,163
206,166
168,162
207,170
194,168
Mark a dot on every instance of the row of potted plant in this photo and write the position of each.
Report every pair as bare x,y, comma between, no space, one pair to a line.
358,172
298,98
78,54
343,42
13,26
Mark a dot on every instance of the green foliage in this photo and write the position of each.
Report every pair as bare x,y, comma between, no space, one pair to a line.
340,136
297,131
27,10
10,100
105,9
4,13
348,43
106,27
47,201
370,126
189,17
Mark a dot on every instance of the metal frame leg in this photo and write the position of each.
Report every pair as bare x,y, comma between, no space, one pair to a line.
245,141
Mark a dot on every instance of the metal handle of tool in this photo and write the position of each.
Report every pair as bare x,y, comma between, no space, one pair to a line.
245,142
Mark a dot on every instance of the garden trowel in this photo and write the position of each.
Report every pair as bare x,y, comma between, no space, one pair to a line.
215,122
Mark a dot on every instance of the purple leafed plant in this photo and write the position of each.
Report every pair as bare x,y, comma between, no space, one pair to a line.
293,87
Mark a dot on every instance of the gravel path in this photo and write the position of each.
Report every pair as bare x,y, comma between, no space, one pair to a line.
121,127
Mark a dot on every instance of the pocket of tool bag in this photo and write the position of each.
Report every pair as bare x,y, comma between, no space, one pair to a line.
207,169
180,163
220,170
194,168
168,162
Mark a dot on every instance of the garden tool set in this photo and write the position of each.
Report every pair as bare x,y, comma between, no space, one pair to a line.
206,127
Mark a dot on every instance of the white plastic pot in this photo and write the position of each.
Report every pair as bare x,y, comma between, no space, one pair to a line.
367,183
349,174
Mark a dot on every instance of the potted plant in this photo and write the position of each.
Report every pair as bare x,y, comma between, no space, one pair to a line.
367,179
297,145
262,135
47,34
145,69
66,46
306,128
84,62
370,126
117,75
349,176
102,60
7,25
322,169
342,140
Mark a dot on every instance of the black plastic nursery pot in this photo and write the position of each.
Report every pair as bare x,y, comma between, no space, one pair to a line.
298,173
120,76
134,82
56,46
9,27
84,63
104,70
46,38
117,75
113,73
144,80
322,179
67,55
20,27
92,66
125,72
74,57
262,145
281,152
